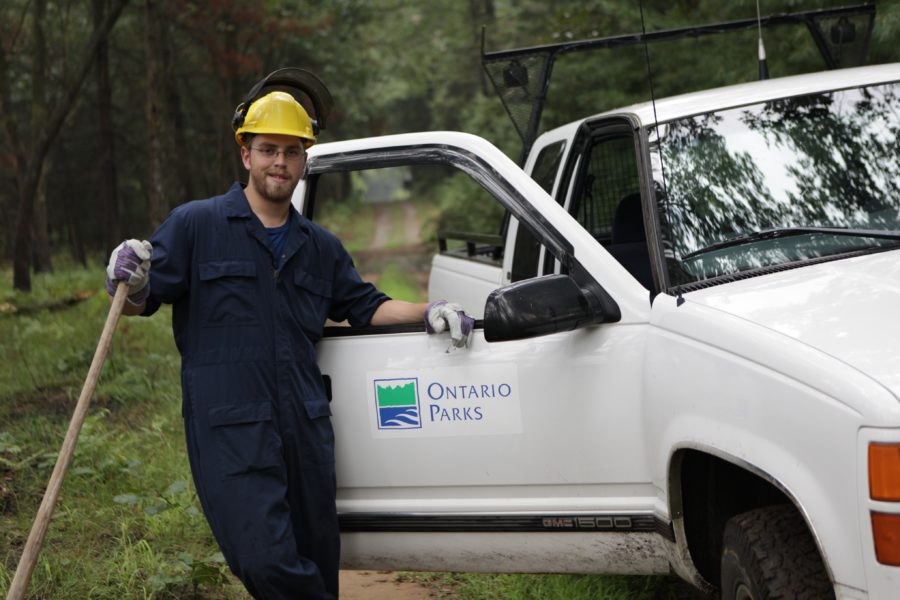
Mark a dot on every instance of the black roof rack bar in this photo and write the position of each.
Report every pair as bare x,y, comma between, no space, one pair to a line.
805,17
551,51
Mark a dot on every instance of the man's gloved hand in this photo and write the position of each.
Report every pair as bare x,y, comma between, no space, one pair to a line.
130,262
441,316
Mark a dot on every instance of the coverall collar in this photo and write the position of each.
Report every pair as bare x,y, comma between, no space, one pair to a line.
237,207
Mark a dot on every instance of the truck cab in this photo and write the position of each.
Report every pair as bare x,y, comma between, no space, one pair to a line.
685,359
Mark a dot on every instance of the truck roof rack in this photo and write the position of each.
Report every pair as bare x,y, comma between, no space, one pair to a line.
521,77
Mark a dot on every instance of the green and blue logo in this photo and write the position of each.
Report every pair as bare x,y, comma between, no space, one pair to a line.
397,401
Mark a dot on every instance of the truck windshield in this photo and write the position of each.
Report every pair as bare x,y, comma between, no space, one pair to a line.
768,184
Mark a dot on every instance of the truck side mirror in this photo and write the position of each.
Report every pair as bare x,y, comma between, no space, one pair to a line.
545,305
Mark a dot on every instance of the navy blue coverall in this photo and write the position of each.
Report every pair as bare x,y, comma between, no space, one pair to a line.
256,416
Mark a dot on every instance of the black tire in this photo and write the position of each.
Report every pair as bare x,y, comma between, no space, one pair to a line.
769,554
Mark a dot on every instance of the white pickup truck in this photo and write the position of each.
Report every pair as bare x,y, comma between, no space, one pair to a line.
687,357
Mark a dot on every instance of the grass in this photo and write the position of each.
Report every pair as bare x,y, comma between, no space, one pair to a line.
128,523
399,283
352,222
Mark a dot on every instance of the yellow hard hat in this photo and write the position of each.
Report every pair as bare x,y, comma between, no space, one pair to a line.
276,112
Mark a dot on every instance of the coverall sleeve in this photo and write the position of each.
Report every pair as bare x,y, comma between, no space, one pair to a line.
170,265
352,298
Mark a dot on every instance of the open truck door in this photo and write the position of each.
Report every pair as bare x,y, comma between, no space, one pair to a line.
438,448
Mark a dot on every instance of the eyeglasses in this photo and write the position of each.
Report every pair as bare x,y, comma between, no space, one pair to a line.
292,154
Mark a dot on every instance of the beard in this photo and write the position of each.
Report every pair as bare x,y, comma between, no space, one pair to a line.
272,190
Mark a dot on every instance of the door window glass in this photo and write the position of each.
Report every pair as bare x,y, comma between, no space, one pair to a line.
394,220
546,166
527,251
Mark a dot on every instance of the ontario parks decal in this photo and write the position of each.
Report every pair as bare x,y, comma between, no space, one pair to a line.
398,403
450,401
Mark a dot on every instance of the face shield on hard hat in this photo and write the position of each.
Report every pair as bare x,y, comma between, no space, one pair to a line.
277,113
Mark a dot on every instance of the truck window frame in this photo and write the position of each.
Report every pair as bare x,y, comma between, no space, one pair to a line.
549,238
527,254
571,183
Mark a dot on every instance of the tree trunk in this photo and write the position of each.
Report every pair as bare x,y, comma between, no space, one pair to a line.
7,207
155,114
232,168
30,169
16,153
75,242
180,162
72,213
41,259
40,239
112,233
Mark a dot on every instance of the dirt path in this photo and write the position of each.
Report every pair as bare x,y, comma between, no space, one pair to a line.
380,585
408,253
412,227
382,226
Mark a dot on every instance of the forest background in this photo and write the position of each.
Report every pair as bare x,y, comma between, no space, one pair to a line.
113,112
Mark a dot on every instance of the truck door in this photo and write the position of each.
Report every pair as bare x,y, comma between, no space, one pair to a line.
515,446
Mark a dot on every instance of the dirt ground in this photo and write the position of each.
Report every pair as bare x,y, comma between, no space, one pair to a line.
380,585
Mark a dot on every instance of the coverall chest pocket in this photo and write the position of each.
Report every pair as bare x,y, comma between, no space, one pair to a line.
229,289
313,299
246,438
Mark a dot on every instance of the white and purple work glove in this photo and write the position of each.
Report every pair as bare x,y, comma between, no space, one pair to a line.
441,316
130,262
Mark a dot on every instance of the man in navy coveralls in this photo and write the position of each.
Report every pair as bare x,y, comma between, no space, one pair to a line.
251,282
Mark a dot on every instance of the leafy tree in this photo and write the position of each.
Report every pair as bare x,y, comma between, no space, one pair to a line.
152,130
32,148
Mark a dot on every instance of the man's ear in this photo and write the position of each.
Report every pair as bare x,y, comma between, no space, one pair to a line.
245,157
303,166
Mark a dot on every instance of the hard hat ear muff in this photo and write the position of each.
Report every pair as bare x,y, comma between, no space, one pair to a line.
240,113
255,93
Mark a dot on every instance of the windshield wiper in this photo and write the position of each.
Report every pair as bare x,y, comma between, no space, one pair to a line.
777,232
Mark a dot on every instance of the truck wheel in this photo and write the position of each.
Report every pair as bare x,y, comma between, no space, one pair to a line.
770,553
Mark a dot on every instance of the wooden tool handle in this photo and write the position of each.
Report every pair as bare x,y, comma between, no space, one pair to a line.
19,584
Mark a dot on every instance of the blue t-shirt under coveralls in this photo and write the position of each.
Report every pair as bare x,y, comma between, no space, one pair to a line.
277,238
255,410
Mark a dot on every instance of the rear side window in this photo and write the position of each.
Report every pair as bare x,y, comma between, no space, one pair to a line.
547,165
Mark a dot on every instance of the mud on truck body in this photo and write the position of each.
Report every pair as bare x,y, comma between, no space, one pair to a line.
687,357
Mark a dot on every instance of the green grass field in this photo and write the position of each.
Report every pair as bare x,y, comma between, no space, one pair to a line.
128,523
